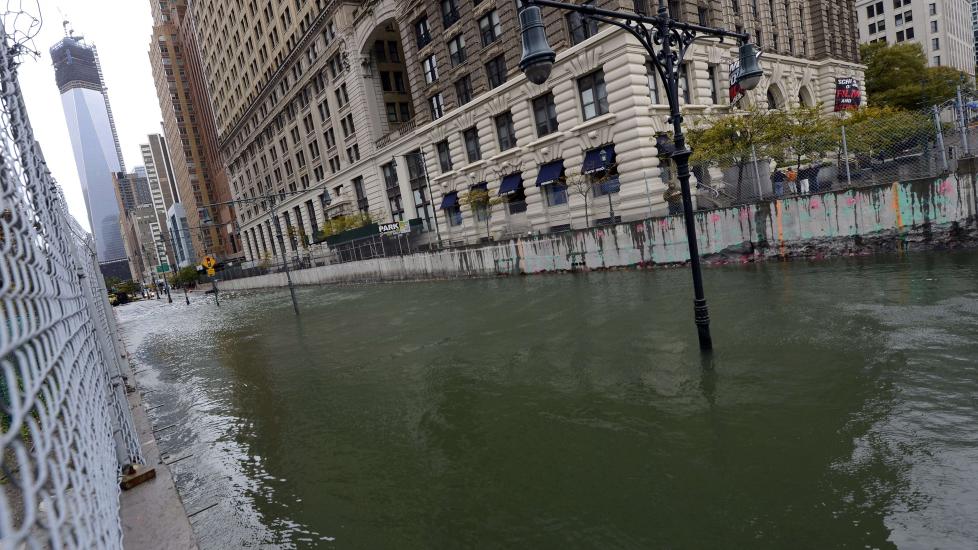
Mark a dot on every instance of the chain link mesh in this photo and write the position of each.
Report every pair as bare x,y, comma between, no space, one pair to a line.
762,155
66,430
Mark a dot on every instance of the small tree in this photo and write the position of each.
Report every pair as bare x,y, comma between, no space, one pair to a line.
129,287
886,132
726,140
583,185
185,277
478,198
801,135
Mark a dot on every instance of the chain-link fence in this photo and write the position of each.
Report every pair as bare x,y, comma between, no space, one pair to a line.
762,155
66,431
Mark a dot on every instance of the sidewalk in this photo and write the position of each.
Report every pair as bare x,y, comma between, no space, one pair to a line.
153,516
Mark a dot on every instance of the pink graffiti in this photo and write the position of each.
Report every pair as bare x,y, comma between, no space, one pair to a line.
816,204
599,233
851,201
663,223
945,188
640,228
715,218
744,213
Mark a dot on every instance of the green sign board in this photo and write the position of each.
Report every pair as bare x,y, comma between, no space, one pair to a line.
164,268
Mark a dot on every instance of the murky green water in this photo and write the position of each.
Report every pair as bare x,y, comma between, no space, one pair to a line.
575,411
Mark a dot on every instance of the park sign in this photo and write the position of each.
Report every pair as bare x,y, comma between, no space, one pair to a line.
163,268
736,91
400,227
847,94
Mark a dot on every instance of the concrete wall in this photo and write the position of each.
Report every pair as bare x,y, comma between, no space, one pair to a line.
934,213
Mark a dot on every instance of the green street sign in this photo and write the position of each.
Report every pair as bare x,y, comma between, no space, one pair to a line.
163,268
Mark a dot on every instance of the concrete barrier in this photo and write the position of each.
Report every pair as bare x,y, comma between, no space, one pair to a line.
930,213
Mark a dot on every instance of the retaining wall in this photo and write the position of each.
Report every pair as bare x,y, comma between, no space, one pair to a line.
922,213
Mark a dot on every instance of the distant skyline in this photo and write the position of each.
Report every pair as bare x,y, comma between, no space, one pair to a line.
121,30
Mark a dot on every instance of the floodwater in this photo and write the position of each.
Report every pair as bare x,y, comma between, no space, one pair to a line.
838,411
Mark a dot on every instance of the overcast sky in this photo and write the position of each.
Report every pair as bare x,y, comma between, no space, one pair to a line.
121,30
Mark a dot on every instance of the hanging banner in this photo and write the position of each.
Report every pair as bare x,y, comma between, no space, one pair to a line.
847,94
736,91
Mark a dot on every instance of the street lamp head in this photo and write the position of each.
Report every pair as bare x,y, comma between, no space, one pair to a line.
750,69
538,56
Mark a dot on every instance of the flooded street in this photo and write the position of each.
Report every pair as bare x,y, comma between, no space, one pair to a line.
839,410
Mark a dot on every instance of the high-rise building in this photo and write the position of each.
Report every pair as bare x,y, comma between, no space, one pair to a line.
136,205
188,124
943,28
399,108
974,26
159,176
94,141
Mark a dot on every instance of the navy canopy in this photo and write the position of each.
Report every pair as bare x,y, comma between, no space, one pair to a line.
511,183
550,172
592,159
449,201
612,185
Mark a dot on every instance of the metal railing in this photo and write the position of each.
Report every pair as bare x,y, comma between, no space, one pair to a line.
66,431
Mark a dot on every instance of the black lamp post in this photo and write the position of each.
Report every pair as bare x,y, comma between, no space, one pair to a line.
672,38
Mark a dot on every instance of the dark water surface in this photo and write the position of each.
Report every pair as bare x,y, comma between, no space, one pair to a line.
840,410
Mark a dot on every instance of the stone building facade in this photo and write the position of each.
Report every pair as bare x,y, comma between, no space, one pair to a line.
188,125
320,123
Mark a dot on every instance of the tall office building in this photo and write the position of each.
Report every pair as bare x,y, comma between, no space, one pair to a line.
188,124
159,177
135,201
94,140
974,26
943,28
398,108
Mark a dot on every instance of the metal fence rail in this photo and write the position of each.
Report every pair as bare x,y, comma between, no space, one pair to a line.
66,430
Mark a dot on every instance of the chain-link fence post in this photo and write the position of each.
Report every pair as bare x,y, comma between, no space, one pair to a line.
940,138
845,153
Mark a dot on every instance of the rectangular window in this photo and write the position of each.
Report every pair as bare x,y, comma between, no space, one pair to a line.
454,215
545,114
449,12
712,75
594,96
385,81
870,11
935,44
937,61
392,52
436,105
405,112
330,136
489,28
932,8
361,195
323,111
505,131
380,53
684,87
311,212
391,112
908,17
314,149
899,36
933,26
898,19
471,139
422,33
398,82
393,191
496,71
556,194
430,67
334,165
910,33
580,27
653,77
456,50
872,28
444,156
463,90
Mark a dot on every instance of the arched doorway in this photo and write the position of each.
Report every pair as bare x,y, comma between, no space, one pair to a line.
805,97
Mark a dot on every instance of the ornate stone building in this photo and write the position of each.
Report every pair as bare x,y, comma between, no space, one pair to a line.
401,108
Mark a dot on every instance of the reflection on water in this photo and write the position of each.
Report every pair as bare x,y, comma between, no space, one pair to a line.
577,412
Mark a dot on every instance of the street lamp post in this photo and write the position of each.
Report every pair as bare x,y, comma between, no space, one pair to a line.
672,38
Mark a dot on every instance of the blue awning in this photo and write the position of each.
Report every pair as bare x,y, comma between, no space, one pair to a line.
612,185
511,183
550,172
592,159
450,200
